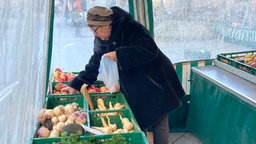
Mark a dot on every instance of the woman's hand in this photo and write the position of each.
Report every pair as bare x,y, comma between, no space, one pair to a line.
69,89
111,55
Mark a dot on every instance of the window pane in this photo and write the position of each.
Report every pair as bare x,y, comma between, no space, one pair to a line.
72,39
198,29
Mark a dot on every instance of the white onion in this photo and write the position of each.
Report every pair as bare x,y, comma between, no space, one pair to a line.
62,118
60,126
49,113
69,109
54,133
57,111
54,120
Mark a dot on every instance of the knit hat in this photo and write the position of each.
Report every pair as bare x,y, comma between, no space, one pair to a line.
99,15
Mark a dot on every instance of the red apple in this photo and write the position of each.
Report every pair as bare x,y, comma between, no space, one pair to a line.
242,58
58,79
63,76
103,89
93,89
65,92
56,74
58,86
63,86
55,92
253,64
58,70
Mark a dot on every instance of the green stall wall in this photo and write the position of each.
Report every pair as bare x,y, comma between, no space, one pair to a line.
219,117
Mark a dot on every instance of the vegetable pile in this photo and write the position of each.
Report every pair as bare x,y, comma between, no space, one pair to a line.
54,120
101,106
109,128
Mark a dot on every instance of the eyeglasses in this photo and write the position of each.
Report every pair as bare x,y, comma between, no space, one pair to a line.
94,29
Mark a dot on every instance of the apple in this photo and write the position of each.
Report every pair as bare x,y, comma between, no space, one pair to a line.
56,74
58,80
63,76
63,86
253,64
93,89
60,86
103,89
65,92
242,59
58,70
56,92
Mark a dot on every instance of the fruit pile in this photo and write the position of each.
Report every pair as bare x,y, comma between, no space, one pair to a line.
58,87
60,76
249,59
63,79
94,89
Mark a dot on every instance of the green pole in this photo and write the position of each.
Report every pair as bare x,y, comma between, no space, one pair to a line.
50,36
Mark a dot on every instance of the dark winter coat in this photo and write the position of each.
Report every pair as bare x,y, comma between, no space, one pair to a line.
147,77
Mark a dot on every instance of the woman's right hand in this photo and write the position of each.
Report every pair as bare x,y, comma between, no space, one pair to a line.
69,89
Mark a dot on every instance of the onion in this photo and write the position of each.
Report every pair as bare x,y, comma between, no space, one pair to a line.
54,120
49,113
62,118
58,110
54,133
75,105
54,127
69,121
60,126
69,109
43,132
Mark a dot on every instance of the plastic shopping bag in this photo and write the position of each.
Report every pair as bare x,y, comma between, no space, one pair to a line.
108,73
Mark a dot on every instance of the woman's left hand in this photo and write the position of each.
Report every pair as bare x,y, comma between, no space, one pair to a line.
111,55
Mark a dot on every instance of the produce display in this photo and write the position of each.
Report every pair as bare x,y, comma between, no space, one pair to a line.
54,120
111,128
57,89
62,79
249,59
60,76
245,61
94,89
66,118
101,105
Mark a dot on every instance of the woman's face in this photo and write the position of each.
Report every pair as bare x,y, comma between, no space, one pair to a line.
103,32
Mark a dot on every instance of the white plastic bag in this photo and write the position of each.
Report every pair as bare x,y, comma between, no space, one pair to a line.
108,73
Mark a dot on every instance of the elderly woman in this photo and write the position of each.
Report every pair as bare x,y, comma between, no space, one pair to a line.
147,77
